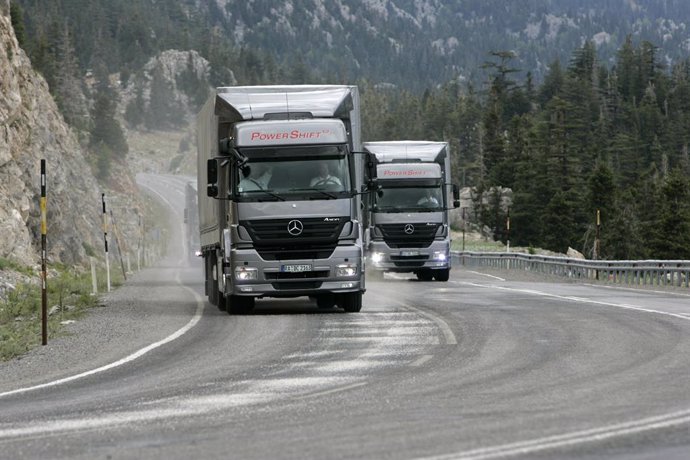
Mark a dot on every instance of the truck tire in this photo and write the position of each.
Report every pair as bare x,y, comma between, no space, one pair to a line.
240,305
351,302
442,275
424,275
222,302
211,284
325,301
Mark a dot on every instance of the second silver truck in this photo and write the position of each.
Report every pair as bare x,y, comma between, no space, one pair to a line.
409,215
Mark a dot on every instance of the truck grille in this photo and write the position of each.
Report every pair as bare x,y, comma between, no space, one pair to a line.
299,285
410,261
298,275
311,238
421,236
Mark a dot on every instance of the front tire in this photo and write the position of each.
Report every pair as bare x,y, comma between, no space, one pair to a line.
351,302
222,302
442,275
325,301
424,275
240,305
211,282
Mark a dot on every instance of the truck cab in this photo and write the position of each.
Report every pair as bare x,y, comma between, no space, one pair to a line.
409,213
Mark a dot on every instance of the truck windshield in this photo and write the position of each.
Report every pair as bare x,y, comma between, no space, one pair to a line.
409,199
286,173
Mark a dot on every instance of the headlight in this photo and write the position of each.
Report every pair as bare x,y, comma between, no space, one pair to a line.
346,270
246,273
440,256
376,257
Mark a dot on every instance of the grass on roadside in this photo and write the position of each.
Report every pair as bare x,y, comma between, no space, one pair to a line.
477,245
69,296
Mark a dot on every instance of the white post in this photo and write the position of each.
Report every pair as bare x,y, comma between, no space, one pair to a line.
94,281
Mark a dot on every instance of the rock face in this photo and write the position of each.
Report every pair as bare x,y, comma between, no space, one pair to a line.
178,70
32,128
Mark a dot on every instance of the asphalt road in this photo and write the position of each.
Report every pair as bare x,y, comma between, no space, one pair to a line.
479,367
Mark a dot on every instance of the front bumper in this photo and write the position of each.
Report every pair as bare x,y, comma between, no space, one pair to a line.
381,257
340,273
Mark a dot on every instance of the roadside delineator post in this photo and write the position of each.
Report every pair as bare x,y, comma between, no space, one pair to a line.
597,243
119,245
105,241
94,280
508,235
44,271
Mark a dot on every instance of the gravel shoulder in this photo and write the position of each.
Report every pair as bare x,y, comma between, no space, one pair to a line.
150,306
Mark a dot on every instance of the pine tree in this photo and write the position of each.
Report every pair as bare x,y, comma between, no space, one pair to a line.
671,238
17,18
68,91
106,130
160,101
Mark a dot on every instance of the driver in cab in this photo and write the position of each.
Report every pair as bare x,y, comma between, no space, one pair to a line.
324,177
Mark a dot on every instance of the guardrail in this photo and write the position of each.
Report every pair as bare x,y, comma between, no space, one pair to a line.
630,272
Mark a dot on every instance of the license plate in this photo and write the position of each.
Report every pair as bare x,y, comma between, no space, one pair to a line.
409,253
295,268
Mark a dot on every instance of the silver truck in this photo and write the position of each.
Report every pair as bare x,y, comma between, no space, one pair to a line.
280,209
409,215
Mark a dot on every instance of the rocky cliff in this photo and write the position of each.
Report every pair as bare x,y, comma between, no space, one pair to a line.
32,128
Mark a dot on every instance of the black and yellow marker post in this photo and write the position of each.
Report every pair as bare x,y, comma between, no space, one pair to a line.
44,271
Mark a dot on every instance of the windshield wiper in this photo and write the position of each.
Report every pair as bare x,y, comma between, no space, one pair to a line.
392,209
267,192
323,192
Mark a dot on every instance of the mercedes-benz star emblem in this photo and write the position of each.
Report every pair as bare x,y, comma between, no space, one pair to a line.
295,227
409,229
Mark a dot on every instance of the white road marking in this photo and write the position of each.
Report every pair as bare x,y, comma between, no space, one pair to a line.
127,359
332,390
138,354
577,299
532,446
570,439
447,331
422,360
640,289
486,274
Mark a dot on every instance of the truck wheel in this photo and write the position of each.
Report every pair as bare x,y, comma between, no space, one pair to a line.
211,284
424,275
325,301
351,302
442,275
240,305
222,302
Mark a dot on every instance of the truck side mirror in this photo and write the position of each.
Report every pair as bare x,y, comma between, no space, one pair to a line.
212,178
456,196
370,160
224,146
